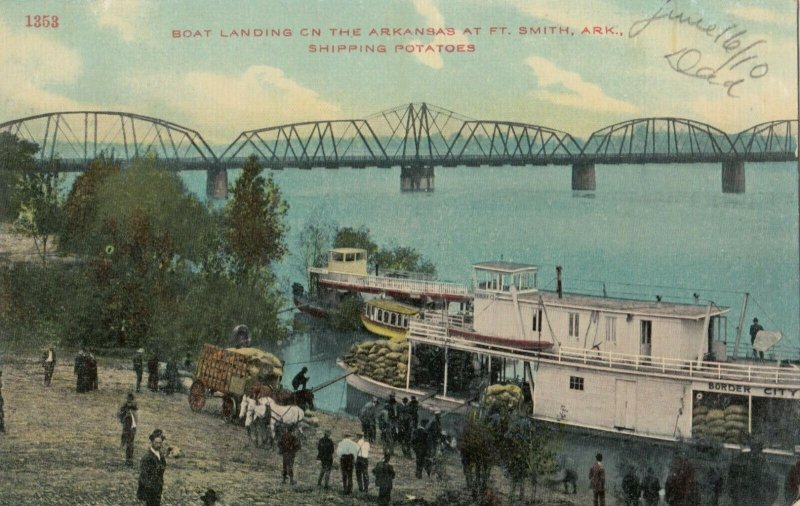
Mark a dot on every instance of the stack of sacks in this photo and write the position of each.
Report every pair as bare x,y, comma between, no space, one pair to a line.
699,420
384,361
502,397
709,424
735,424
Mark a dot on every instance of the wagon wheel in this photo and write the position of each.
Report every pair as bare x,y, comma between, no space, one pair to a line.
229,410
197,396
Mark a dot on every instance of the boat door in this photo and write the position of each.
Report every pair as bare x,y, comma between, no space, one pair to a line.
646,341
625,414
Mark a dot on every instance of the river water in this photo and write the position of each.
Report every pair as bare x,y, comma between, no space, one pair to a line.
647,230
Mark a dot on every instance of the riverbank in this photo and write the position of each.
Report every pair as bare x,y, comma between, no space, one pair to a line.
64,448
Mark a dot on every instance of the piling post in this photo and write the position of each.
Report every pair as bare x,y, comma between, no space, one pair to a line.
217,183
416,178
733,176
583,176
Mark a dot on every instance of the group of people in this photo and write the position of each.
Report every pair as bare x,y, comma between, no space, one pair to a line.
85,371
172,374
354,455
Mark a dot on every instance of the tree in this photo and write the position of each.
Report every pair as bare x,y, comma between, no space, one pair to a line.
403,258
349,237
314,241
255,220
81,206
16,157
41,213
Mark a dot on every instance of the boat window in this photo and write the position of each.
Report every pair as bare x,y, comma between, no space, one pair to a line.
611,329
337,257
386,317
537,320
646,332
506,282
574,325
404,324
360,256
393,320
349,257
380,315
575,383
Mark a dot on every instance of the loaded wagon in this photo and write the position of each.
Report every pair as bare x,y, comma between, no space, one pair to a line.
232,373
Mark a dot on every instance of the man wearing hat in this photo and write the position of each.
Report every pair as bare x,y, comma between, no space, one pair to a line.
49,364
434,433
151,473
367,415
755,328
384,476
2,421
138,367
127,417
325,457
347,451
362,464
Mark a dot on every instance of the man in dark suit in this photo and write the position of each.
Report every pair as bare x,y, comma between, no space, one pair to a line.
127,417
151,473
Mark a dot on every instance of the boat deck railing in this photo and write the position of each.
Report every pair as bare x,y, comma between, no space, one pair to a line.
409,286
435,331
723,371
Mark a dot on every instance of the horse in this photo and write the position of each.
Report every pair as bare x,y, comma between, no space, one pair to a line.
303,398
256,412
283,415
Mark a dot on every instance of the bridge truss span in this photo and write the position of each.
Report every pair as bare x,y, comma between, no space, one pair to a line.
773,141
75,138
500,142
658,140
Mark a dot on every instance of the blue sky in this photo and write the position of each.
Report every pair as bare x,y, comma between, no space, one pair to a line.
121,55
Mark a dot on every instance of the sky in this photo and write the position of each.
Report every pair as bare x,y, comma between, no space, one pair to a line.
133,56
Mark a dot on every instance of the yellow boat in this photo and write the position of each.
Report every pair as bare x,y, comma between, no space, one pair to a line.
387,318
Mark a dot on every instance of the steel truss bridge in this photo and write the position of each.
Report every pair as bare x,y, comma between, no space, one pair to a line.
416,137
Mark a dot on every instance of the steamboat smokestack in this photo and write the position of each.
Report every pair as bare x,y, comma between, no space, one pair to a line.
558,281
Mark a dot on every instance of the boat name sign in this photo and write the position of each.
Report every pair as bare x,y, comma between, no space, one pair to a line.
715,386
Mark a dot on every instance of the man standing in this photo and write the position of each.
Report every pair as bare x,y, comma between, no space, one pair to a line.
413,409
127,417
288,447
419,442
325,457
631,488
152,372
91,372
792,479
347,451
650,488
384,475
81,383
49,364
597,480
2,418
362,464
367,416
151,473
754,330
138,367
434,433
405,427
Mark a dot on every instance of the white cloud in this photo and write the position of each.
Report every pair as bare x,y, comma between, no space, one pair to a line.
434,19
31,62
125,16
566,88
220,104
760,14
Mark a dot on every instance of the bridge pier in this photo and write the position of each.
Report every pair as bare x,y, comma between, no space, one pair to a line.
217,183
416,178
583,176
733,176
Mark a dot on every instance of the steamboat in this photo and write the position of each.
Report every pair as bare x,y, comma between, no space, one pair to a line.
643,368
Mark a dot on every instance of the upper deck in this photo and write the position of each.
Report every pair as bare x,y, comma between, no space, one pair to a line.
398,287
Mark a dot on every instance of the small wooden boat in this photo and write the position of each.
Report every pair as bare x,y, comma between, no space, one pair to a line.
387,318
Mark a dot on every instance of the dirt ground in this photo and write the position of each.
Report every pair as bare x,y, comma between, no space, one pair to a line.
64,448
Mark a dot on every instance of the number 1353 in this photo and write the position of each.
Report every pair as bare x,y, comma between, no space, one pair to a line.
41,21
